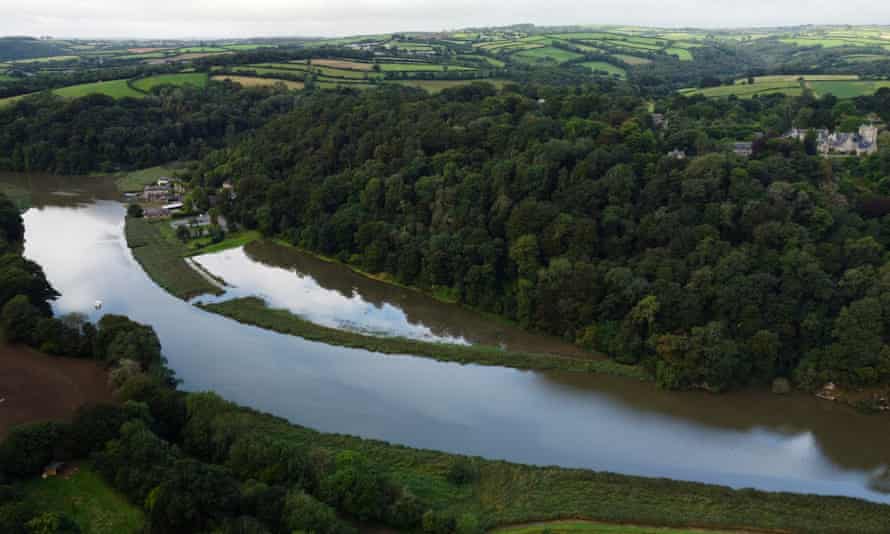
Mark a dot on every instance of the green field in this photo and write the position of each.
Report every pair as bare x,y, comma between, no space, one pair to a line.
748,91
547,53
248,46
847,89
420,67
48,59
135,181
632,60
113,88
162,257
490,60
199,50
608,68
682,53
435,86
195,79
88,500
866,58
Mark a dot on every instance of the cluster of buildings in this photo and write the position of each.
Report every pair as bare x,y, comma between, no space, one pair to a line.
860,143
166,192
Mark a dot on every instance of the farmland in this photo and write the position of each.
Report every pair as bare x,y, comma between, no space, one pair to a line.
608,68
249,81
195,79
436,86
114,89
548,53
839,85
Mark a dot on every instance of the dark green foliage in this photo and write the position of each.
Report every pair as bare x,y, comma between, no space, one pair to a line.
52,523
137,462
463,471
19,276
358,487
135,210
19,319
193,496
120,338
302,512
94,426
565,216
29,448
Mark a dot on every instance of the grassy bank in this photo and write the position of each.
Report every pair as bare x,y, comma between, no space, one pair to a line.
163,259
505,493
594,527
253,311
88,500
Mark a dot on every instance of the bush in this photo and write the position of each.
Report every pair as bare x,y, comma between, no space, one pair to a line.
463,471
135,211
302,512
29,448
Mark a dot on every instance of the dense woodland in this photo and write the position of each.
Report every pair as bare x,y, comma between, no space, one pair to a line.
559,209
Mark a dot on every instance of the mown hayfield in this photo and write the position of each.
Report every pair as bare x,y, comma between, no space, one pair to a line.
343,64
195,79
113,88
82,495
250,81
547,53
274,71
608,68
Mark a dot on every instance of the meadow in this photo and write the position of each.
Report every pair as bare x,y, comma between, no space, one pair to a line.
592,527
113,88
195,79
88,500
436,86
250,81
608,68
163,258
547,53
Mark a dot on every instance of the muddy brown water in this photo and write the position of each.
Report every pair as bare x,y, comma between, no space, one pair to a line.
748,439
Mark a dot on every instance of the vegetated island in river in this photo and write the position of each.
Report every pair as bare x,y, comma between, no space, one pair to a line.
164,259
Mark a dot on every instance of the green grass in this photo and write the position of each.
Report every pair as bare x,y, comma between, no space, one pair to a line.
420,67
510,494
162,258
20,196
866,58
195,79
436,86
113,88
88,500
608,68
847,89
592,527
253,311
749,90
135,181
48,59
247,46
632,60
206,246
199,49
547,53
682,53
490,60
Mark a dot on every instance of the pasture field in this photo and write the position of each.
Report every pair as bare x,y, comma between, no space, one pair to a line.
343,73
242,47
135,181
48,59
343,64
162,257
250,81
608,68
420,67
682,53
547,53
748,90
436,86
82,495
113,88
199,49
490,60
7,78
276,71
632,60
866,58
847,89
796,77
195,79
145,55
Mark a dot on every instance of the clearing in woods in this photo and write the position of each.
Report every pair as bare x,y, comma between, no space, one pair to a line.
250,81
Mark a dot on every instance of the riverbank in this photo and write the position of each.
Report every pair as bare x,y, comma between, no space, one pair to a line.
504,493
253,311
164,259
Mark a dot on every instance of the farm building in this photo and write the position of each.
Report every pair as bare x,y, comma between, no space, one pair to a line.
156,193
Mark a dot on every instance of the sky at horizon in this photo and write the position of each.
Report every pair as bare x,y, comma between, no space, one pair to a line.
271,18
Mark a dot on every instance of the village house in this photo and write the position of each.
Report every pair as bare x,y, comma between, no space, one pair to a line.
156,193
862,142
677,154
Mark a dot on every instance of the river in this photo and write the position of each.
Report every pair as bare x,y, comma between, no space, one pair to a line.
748,439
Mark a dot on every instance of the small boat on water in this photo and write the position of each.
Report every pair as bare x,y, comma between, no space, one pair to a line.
97,304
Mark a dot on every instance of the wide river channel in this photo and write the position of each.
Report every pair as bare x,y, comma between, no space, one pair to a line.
746,439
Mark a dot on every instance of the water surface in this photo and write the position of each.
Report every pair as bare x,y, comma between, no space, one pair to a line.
751,439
